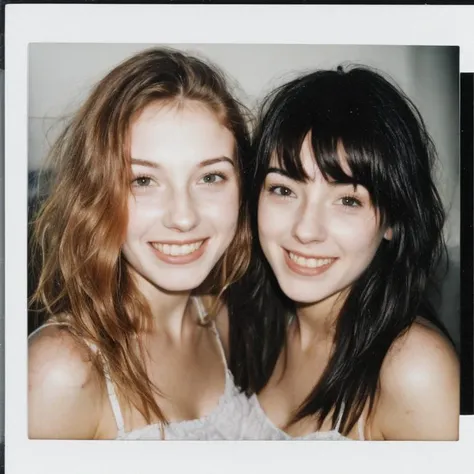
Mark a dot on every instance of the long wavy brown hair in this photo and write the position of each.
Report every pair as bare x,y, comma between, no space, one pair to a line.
79,230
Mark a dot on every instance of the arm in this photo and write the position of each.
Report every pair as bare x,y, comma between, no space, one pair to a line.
64,391
419,388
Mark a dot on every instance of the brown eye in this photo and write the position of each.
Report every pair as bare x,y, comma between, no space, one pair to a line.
281,191
350,201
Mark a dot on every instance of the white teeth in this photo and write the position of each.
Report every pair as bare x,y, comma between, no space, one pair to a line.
177,250
309,262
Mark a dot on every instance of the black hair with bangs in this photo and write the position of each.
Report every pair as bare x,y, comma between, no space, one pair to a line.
355,111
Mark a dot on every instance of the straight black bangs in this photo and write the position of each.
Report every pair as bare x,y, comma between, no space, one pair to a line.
363,131
341,159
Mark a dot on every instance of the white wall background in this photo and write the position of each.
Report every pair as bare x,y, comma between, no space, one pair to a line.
61,75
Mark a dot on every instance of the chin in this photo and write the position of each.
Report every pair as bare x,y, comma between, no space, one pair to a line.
171,281
300,293
177,287
299,298
180,283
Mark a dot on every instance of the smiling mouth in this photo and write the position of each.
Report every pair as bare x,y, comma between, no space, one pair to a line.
309,262
177,250
307,266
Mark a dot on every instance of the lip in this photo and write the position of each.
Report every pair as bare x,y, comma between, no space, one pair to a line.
306,271
179,242
180,259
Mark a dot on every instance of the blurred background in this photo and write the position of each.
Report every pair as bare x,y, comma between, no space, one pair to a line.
61,76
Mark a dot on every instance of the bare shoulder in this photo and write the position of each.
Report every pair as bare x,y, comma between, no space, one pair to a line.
54,352
423,355
63,386
420,387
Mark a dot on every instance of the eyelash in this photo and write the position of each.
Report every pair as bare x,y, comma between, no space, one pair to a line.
272,190
352,198
218,174
138,178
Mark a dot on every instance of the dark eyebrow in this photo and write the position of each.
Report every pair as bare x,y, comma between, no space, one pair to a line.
154,164
332,182
335,183
280,171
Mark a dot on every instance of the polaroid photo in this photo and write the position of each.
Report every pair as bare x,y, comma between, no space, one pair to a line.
167,185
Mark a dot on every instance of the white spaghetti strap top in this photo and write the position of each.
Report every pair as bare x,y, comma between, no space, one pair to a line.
114,403
259,426
121,433
225,422
235,417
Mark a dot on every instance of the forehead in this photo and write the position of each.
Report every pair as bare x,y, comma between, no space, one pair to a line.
189,128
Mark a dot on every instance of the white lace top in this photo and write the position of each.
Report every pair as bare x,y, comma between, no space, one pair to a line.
235,416
257,426
225,422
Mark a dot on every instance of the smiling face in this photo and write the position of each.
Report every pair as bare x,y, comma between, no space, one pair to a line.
317,236
184,205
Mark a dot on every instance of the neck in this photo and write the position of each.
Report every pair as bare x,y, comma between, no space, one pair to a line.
317,321
172,312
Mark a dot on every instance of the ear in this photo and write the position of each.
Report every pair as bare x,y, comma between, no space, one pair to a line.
388,234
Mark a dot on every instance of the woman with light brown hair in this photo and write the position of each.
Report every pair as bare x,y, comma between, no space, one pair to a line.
144,217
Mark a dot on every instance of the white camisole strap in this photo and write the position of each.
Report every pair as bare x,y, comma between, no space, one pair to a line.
339,418
50,323
114,401
360,423
219,343
112,394
202,315
360,426
110,390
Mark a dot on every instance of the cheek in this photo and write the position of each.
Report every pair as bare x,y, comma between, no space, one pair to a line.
358,235
221,209
270,222
142,213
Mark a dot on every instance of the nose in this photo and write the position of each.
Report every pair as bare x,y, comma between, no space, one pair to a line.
181,215
310,225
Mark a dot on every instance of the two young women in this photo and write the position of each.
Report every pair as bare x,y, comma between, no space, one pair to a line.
152,283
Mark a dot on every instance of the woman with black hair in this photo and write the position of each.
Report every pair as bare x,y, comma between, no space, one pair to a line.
338,339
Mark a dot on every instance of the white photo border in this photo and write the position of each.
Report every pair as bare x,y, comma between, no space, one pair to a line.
297,24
